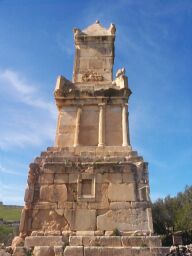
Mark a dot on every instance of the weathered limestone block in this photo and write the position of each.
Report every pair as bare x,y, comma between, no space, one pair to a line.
72,192
103,251
122,219
101,197
44,206
46,178
99,178
60,212
40,241
128,177
75,240
66,205
58,250
154,241
120,205
48,220
73,177
43,251
141,241
52,168
61,178
104,241
52,232
114,178
109,241
99,233
69,216
25,221
85,233
109,233
85,219
160,251
122,192
37,233
73,251
20,251
29,193
141,251
53,193
149,219
119,251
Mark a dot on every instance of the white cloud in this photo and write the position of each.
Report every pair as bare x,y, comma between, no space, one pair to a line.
16,82
8,171
27,92
34,131
33,121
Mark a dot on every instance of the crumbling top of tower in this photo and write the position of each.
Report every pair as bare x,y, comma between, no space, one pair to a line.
94,54
97,29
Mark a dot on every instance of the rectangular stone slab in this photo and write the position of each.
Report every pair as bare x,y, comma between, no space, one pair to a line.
73,251
107,251
32,241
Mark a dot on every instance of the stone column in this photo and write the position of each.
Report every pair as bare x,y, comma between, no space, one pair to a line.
125,127
77,126
101,136
128,135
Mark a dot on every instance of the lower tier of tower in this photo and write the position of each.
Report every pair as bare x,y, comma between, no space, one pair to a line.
87,190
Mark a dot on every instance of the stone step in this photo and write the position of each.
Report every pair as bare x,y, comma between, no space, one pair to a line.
95,241
114,251
60,250
96,160
90,152
93,149
115,241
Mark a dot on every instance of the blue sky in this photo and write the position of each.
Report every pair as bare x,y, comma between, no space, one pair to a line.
153,43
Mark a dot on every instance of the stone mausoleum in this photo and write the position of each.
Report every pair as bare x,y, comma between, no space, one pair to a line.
89,194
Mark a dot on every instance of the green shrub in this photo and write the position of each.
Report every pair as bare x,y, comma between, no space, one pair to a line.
116,232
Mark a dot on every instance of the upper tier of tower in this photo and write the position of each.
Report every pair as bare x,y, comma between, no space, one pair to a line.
92,109
94,54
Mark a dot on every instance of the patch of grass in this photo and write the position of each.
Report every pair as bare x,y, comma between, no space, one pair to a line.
4,229
6,234
10,213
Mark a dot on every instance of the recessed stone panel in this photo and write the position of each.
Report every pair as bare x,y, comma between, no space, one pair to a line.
89,126
113,132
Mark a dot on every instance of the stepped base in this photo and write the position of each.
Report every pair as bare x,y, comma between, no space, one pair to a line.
93,246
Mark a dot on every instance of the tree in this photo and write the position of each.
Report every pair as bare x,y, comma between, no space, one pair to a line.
173,213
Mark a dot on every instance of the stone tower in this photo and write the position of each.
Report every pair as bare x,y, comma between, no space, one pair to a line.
91,185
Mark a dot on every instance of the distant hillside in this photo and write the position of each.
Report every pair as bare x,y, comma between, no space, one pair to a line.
10,212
